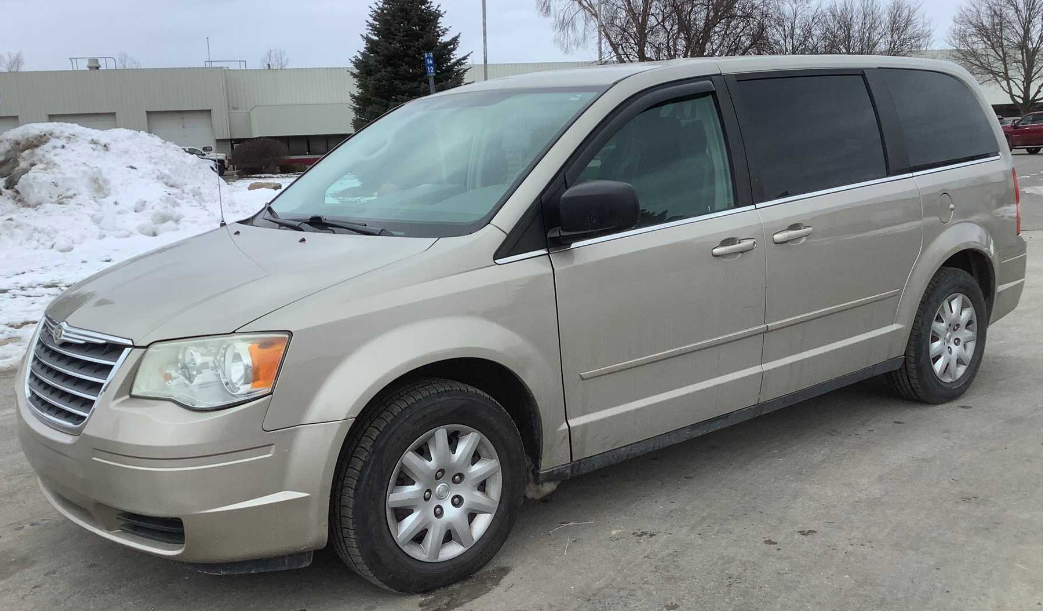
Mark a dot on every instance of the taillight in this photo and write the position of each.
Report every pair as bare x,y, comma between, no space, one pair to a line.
1017,200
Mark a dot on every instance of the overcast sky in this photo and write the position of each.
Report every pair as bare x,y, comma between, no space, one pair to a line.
164,33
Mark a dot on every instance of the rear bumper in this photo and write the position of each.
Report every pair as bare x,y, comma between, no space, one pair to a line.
239,492
1010,279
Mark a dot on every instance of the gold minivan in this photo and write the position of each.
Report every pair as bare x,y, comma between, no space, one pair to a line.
530,277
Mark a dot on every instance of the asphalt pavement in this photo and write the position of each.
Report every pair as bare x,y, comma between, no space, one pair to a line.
854,500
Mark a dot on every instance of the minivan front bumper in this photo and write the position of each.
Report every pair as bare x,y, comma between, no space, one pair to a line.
141,471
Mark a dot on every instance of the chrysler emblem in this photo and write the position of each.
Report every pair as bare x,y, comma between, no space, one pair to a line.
56,335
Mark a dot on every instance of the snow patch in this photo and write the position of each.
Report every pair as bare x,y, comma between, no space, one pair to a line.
75,200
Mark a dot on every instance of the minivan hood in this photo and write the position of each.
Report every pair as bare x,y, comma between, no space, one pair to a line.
219,281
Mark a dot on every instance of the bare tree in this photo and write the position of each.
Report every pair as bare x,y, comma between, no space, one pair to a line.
643,30
795,28
12,62
125,60
866,27
908,29
1000,41
646,30
275,59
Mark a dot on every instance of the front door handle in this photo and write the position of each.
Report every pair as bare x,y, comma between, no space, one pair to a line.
791,234
741,246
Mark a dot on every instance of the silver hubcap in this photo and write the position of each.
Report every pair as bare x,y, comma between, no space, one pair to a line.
444,493
954,334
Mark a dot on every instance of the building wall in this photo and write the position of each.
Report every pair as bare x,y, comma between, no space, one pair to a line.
34,96
278,102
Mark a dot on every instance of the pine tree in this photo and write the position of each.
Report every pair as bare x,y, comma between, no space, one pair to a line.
390,68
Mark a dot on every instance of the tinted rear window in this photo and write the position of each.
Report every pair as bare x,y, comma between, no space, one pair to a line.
942,120
808,133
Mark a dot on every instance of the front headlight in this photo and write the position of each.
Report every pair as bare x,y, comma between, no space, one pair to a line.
211,372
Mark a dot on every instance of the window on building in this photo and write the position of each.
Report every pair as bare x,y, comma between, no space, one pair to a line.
674,156
941,119
809,133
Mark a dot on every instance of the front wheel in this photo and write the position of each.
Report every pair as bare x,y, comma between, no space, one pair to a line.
1032,150
427,487
947,340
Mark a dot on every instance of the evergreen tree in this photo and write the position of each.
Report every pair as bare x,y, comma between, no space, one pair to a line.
390,68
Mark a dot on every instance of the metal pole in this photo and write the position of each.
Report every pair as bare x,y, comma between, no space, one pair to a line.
207,48
485,47
601,59
431,82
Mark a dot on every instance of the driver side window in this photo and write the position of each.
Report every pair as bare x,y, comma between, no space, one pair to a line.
674,156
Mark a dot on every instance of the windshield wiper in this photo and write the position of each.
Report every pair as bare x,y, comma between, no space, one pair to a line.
273,217
362,228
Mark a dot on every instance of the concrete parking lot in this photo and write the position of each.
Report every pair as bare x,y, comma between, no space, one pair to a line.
854,500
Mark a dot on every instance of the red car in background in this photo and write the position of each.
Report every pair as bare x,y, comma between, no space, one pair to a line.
1026,133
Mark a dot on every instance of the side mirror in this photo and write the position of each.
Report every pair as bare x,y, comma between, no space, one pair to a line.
208,149
596,206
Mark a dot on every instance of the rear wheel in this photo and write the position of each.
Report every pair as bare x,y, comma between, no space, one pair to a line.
1033,150
947,340
428,487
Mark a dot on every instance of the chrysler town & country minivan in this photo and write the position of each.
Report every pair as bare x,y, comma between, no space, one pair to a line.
528,277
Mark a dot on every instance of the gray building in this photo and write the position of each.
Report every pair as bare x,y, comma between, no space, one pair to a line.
308,108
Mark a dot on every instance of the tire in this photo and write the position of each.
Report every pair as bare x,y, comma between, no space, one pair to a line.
917,379
360,520
1032,150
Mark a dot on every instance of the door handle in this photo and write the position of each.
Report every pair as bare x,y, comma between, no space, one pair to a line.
744,245
791,234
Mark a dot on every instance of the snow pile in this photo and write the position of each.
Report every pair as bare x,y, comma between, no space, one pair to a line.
75,200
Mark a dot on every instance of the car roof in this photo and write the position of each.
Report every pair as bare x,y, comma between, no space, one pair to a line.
603,76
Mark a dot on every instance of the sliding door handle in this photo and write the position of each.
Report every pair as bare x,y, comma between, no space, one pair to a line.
792,234
735,248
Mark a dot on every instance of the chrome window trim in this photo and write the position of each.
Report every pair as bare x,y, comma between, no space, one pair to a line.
876,181
651,228
831,190
954,166
521,257
774,202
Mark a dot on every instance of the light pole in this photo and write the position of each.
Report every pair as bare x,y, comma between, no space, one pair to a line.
485,47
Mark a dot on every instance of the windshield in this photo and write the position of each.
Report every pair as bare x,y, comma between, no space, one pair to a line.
434,167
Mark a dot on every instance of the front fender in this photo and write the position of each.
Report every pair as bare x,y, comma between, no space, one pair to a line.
352,341
958,237
373,366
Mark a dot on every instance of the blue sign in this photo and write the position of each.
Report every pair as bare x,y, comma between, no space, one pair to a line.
429,63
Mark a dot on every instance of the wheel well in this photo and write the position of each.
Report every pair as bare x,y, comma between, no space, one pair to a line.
496,380
976,264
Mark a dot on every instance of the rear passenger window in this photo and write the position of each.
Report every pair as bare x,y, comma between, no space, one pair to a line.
808,133
942,120
674,156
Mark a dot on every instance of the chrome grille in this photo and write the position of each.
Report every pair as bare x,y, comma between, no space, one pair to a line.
68,370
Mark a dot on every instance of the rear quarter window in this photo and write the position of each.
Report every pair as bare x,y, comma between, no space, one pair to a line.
940,117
